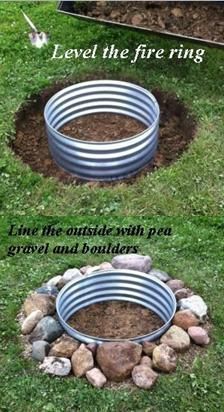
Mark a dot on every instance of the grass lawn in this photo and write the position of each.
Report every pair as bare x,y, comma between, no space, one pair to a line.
193,185
193,253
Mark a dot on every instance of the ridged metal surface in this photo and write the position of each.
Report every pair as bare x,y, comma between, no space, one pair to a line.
102,161
122,285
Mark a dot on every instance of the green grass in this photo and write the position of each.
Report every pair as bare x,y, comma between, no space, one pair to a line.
193,253
193,185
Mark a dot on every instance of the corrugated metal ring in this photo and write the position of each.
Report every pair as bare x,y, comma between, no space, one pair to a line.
102,161
121,285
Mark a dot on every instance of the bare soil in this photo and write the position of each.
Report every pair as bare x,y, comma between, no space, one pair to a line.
113,319
102,127
177,129
191,18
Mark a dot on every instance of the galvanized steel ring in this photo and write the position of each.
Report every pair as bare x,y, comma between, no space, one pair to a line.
121,285
95,160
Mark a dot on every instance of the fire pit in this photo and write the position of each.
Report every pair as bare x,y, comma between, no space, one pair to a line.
102,161
121,285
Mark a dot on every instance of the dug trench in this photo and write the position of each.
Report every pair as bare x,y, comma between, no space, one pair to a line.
177,130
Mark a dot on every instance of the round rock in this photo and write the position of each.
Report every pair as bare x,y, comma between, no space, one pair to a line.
144,377
36,301
148,347
71,274
164,358
176,338
54,281
56,366
47,329
199,335
117,359
132,262
31,321
96,377
146,360
175,284
197,305
185,318
64,347
40,349
159,274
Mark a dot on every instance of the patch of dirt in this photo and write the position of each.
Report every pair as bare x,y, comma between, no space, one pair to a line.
114,319
102,127
191,18
177,129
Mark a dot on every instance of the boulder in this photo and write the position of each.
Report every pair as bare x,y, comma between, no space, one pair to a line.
36,301
175,284
132,262
106,266
164,358
31,321
47,329
54,281
117,359
71,274
47,290
84,269
148,347
40,349
56,366
183,293
90,270
185,318
143,376
146,360
96,377
197,305
159,274
176,338
199,335
82,361
64,347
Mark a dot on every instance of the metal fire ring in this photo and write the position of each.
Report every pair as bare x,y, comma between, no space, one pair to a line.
121,285
102,161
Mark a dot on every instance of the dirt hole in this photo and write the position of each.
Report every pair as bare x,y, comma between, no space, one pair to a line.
114,319
177,129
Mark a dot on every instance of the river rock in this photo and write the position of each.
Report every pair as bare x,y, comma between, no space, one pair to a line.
185,318
64,347
96,377
183,293
175,284
148,347
106,266
132,262
40,349
146,360
176,338
31,321
47,329
159,274
83,269
91,270
82,361
71,274
56,366
117,359
47,290
197,305
199,335
54,281
143,376
164,358
36,301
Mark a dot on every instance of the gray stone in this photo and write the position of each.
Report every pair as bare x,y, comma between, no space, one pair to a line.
197,305
54,281
159,274
71,274
143,376
40,349
96,377
175,284
47,290
31,321
47,329
183,293
132,262
176,338
56,366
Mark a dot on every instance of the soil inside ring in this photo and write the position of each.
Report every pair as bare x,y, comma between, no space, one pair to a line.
177,129
115,320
